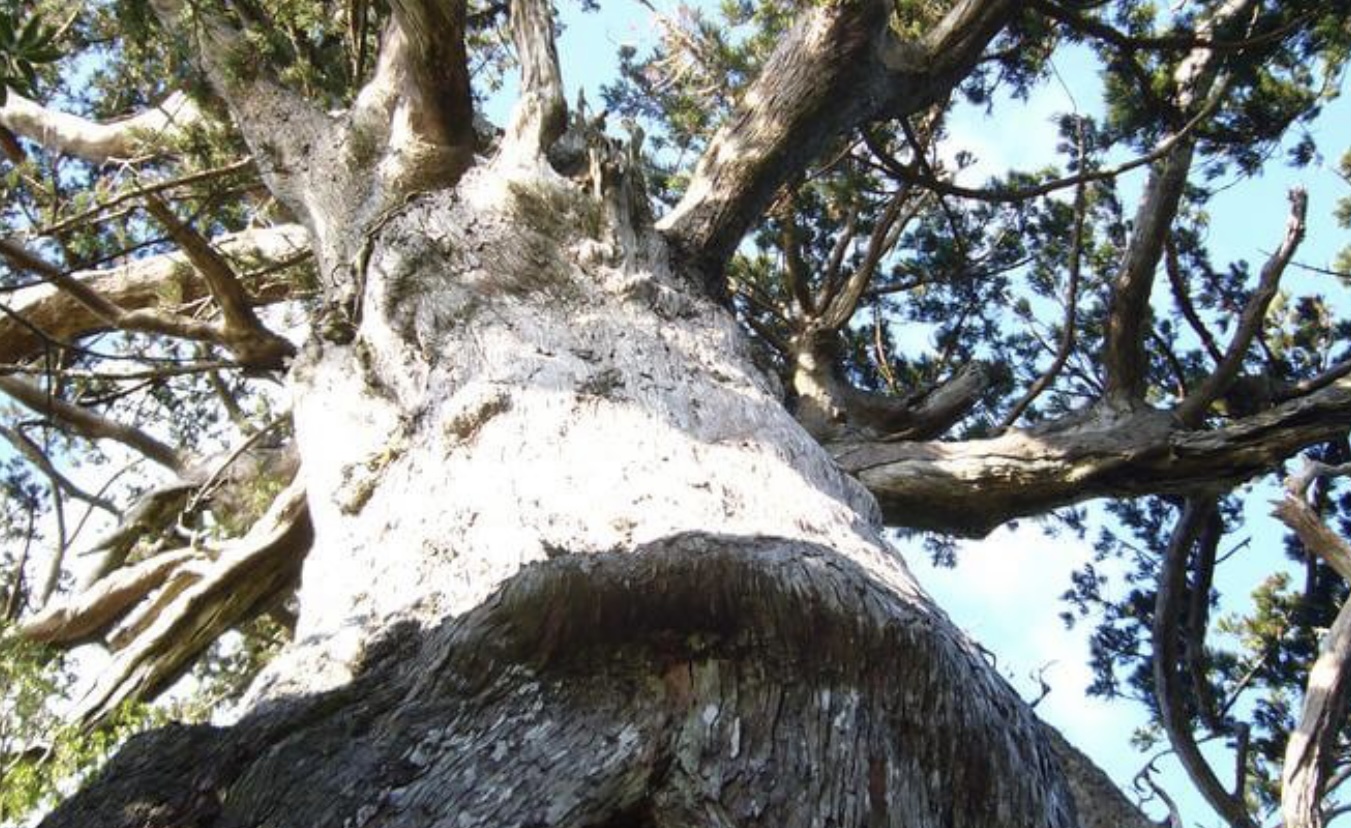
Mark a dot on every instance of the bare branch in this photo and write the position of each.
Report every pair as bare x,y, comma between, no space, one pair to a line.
419,100
839,67
122,139
1182,297
89,424
1192,410
1124,357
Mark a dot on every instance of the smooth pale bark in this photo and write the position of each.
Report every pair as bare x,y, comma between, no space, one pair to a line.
97,141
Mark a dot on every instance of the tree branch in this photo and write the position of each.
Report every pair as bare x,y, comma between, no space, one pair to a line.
42,314
35,455
1169,606
540,114
1312,752
89,424
251,342
282,128
1192,410
94,141
971,487
244,579
1197,78
839,67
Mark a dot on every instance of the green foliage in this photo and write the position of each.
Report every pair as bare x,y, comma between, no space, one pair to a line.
25,45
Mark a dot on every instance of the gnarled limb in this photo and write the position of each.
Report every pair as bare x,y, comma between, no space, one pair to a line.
969,488
41,315
248,575
97,141
841,66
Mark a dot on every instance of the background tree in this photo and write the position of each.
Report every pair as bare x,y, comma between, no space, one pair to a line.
573,502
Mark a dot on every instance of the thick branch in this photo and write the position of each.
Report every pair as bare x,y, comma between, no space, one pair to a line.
1169,606
94,609
242,332
89,424
1192,410
42,315
840,67
1124,358
971,487
281,127
1197,79
94,141
540,115
245,577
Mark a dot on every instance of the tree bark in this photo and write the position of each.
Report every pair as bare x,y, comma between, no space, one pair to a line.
575,564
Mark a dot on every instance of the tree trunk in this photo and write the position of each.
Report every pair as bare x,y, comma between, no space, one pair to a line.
575,564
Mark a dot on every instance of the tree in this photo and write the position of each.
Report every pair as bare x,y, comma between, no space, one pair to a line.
577,510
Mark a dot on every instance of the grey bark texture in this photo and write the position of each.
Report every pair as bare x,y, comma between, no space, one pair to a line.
573,563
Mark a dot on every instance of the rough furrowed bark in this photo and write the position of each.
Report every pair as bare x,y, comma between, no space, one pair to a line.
699,680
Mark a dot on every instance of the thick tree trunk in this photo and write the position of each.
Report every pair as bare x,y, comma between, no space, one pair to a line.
574,564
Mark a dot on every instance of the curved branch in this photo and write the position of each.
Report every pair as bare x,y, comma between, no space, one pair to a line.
241,331
1169,607
971,487
87,614
243,580
839,67
95,141
1192,410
